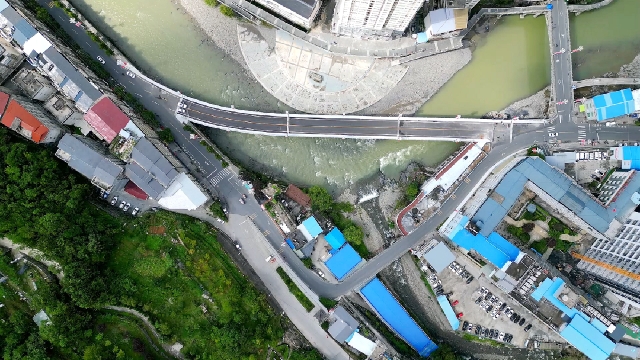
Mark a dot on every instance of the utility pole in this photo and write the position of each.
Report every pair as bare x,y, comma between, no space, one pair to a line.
398,134
287,123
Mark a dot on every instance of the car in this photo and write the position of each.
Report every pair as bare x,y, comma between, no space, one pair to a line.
495,333
489,308
491,333
501,336
553,135
465,325
122,204
100,59
237,245
496,315
479,300
469,280
485,333
503,306
320,273
478,330
508,338
135,211
452,265
114,200
241,201
522,321
131,75
487,297
126,207
527,328
470,327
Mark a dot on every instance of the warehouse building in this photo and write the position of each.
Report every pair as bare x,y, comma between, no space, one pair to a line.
446,20
609,106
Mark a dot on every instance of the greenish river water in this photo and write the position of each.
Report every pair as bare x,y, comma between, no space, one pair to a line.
509,63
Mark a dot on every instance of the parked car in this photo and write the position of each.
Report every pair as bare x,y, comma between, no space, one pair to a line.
503,306
469,280
135,211
122,204
489,308
501,336
100,59
495,333
479,300
478,330
237,245
522,321
470,327
553,135
320,273
126,207
527,328
131,75
114,200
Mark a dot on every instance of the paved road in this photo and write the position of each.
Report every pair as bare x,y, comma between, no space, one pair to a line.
562,71
342,126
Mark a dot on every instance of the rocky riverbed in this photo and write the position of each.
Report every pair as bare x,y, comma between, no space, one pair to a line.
631,70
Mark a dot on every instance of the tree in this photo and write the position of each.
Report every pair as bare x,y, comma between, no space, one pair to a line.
321,200
528,227
353,234
551,242
412,190
444,352
166,135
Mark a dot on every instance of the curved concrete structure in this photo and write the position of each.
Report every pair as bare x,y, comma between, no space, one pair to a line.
314,80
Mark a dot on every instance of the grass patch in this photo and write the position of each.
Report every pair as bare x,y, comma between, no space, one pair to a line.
519,233
476,339
540,246
328,303
168,282
295,290
308,263
563,245
540,214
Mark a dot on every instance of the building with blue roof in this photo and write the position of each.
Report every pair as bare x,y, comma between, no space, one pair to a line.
396,317
335,239
343,261
448,312
611,105
310,228
560,187
582,332
23,32
497,251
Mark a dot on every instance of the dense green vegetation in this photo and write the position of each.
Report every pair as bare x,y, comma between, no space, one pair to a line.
295,290
227,11
540,214
322,202
328,303
217,210
540,246
444,352
519,233
410,192
166,135
170,267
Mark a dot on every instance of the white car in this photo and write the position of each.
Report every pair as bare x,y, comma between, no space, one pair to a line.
135,211
122,204
126,207
100,59
131,75
553,134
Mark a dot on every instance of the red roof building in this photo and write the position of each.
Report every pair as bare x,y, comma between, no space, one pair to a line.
133,190
106,118
27,120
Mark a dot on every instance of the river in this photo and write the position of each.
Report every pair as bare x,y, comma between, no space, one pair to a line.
509,63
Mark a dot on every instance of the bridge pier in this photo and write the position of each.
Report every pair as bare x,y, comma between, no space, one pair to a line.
499,16
522,16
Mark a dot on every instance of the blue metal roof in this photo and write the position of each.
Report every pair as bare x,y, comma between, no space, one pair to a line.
587,338
599,325
335,238
498,251
342,262
448,312
614,104
390,310
312,227
3,5
538,293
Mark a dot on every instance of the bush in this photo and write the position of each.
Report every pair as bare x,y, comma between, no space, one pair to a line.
166,135
295,290
227,11
528,227
212,3
189,129
519,233
328,303
551,242
217,210
540,246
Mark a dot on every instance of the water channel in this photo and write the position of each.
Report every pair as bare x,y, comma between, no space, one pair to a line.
510,63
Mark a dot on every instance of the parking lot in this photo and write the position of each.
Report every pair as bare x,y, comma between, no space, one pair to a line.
495,319
121,196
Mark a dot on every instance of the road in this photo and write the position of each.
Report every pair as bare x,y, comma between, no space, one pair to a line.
350,126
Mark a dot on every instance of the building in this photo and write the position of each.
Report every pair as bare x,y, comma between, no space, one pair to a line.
439,257
609,106
91,160
342,324
629,155
373,18
66,78
66,113
310,228
448,311
28,119
342,262
149,170
616,181
10,59
297,195
453,171
182,194
446,20
108,120
335,239
301,12
34,85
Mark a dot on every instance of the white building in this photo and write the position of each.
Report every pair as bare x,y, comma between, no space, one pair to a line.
446,20
182,194
301,12
373,18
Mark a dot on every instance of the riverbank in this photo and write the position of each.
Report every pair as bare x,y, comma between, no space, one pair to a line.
631,70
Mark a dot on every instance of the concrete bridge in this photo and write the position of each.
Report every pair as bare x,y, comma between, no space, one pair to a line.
606,81
578,9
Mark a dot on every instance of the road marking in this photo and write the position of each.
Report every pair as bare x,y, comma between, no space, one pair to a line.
439,212
467,180
51,4
253,216
266,232
219,177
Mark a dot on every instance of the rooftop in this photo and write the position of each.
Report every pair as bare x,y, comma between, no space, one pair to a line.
107,118
343,326
310,228
303,8
88,161
335,238
439,257
297,195
19,119
342,262
614,104
448,312
149,170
